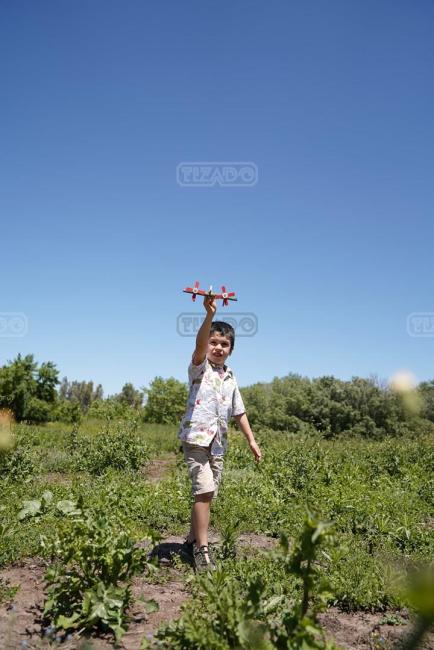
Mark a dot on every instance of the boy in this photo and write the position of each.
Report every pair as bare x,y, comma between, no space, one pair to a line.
213,398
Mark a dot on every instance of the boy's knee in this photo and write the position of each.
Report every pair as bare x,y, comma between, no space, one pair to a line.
205,496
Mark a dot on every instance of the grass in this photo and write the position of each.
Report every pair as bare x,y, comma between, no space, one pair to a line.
379,494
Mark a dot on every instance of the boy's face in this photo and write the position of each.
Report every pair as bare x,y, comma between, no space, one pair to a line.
219,348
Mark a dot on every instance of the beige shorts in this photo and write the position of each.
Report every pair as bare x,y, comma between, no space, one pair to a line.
204,470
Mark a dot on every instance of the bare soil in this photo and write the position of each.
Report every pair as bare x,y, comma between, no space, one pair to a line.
57,478
367,631
159,468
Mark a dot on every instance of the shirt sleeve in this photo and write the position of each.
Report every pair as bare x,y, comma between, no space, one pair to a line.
196,372
238,407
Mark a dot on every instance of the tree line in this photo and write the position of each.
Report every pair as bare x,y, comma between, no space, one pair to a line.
324,405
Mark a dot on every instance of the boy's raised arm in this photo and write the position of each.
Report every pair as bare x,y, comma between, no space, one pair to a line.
203,334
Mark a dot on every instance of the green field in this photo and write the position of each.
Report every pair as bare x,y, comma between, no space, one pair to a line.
61,487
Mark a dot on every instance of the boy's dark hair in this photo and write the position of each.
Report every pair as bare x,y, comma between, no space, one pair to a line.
224,329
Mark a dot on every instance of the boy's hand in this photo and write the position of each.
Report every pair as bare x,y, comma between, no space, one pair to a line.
255,451
210,305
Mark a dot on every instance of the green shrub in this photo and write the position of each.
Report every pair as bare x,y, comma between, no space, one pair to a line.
109,409
89,581
121,449
16,464
67,411
166,401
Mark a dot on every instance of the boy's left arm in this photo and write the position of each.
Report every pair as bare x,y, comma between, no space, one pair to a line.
244,425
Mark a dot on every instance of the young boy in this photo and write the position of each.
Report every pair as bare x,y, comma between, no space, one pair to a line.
213,398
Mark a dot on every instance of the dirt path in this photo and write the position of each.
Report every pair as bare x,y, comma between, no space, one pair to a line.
366,631
159,468
19,619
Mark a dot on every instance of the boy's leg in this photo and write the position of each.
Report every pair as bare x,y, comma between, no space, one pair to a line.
198,511
200,518
199,461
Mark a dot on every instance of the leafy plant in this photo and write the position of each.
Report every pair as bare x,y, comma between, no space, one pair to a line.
120,448
225,615
7,592
35,507
229,533
298,625
227,618
89,581
16,464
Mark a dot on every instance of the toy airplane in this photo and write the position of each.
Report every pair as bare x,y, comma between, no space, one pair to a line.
224,295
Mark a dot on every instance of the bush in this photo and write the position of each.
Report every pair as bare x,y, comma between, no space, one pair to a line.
120,448
37,411
17,463
166,402
89,583
108,409
27,390
67,411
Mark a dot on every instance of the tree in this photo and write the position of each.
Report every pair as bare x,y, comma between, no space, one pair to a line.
130,396
82,392
426,390
47,381
27,390
333,407
166,401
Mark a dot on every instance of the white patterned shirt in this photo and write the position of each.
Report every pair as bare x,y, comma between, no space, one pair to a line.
214,397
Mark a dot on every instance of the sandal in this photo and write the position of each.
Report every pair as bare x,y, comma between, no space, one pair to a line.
203,560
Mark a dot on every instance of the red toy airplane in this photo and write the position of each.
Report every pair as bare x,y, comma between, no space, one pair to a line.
224,295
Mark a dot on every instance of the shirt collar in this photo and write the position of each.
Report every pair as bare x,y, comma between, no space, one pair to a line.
227,369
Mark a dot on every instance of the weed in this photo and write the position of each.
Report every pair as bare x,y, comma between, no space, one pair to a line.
7,592
225,614
119,448
89,581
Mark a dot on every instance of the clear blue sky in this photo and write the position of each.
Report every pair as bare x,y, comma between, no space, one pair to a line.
331,249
